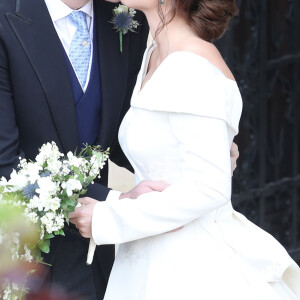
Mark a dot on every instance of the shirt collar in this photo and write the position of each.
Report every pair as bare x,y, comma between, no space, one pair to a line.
59,10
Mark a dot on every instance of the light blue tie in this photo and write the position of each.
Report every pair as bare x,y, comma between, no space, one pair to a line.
80,49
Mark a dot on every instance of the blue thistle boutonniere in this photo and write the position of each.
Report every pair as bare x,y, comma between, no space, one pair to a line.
123,21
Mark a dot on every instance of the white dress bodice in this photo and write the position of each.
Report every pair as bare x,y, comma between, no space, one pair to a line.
179,129
169,92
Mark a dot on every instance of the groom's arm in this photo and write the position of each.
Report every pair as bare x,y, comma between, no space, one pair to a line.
9,132
98,191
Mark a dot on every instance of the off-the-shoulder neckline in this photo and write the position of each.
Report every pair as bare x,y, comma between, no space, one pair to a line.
152,47
203,58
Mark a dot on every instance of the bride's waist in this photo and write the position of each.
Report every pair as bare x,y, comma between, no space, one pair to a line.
218,215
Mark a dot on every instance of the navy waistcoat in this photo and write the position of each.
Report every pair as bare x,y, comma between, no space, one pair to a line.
88,104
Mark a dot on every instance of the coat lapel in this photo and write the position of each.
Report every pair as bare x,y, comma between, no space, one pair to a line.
113,70
33,27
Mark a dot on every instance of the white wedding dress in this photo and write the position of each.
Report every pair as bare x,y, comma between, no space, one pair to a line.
179,129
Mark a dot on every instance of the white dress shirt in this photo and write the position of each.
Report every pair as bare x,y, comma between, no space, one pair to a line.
66,29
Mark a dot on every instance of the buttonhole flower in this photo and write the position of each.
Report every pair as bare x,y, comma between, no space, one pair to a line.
123,21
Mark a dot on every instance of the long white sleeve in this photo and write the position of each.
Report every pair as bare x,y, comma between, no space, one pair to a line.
205,185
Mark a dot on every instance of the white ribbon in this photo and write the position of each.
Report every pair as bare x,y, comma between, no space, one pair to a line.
91,252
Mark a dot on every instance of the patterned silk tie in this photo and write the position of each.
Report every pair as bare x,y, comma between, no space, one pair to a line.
80,50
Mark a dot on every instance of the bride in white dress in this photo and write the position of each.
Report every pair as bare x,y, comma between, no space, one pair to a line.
184,114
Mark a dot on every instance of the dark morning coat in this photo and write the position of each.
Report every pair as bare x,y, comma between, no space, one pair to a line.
37,106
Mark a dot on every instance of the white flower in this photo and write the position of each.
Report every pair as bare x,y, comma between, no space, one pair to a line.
42,233
31,215
33,170
48,151
36,202
65,168
42,203
3,181
54,165
15,246
52,204
72,185
47,221
7,293
74,160
47,187
59,220
121,9
132,12
11,290
18,181
27,255
52,222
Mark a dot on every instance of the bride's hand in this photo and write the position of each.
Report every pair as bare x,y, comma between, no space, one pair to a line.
145,186
234,155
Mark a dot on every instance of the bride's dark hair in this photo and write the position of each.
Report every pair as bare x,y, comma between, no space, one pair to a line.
209,18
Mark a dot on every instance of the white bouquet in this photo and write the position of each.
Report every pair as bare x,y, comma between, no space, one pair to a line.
49,187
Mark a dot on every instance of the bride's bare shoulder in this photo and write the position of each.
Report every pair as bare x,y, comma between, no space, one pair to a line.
210,52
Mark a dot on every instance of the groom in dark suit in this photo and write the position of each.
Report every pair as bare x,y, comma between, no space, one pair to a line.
50,91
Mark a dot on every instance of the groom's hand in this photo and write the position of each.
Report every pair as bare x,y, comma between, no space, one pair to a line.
234,155
82,216
143,187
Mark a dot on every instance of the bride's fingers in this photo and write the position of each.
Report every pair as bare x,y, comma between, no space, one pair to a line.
234,151
157,186
177,229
